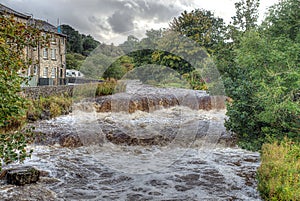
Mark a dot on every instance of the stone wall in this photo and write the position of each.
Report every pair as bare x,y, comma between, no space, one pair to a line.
46,91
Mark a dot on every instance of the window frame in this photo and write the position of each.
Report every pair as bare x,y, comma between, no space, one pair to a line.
53,53
53,72
45,72
45,53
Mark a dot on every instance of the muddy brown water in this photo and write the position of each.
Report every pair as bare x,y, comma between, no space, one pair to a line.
199,162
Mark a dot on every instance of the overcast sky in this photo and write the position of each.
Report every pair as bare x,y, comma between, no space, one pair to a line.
113,20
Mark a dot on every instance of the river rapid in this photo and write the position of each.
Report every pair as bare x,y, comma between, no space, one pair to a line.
174,153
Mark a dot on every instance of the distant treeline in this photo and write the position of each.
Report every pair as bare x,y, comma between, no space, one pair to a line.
77,42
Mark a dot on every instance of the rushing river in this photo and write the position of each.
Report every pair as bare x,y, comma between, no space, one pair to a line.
174,153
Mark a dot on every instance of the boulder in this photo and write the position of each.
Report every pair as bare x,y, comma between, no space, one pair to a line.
22,175
70,140
121,138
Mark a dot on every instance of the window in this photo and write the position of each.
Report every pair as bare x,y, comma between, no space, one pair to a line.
45,53
53,39
53,73
35,69
45,73
53,54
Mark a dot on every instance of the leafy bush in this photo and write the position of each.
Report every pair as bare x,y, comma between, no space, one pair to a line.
106,88
279,173
195,80
264,81
14,37
53,105
115,71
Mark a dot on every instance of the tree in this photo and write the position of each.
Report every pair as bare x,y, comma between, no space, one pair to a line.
79,43
244,20
14,38
284,20
151,40
201,26
246,14
74,60
74,39
88,44
119,68
264,82
130,44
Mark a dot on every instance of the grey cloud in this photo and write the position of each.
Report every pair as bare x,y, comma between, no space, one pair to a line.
99,22
121,21
163,12
98,17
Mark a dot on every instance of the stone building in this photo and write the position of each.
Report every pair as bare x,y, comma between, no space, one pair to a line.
48,63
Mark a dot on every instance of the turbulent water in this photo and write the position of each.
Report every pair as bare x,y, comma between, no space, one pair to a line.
174,153
201,168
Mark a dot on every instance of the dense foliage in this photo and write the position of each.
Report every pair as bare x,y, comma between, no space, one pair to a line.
278,175
79,46
78,43
14,37
166,47
49,107
264,80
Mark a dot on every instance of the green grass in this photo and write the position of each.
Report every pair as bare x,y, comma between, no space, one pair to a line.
54,105
279,173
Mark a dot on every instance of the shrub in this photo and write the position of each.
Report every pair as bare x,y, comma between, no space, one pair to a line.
106,88
53,105
279,173
15,36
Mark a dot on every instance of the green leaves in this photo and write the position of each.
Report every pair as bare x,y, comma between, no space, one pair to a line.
13,146
201,26
264,81
14,38
78,43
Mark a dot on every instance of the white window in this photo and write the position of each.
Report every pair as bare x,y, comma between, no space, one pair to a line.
45,53
53,54
53,39
45,73
53,73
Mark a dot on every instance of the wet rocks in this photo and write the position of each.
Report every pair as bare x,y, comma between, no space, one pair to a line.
125,139
22,175
49,133
64,139
131,103
147,98
70,140
183,188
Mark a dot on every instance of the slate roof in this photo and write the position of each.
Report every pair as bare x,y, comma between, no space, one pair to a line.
4,10
43,25
40,24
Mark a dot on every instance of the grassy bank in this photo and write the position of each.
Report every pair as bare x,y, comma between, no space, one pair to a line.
279,173
53,106
49,107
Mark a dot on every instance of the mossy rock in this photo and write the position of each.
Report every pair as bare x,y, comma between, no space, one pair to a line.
22,175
